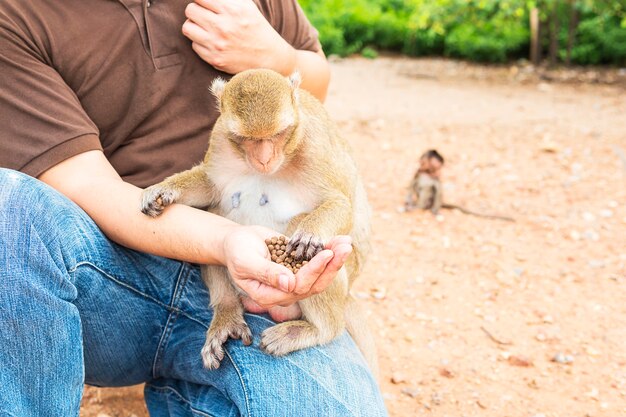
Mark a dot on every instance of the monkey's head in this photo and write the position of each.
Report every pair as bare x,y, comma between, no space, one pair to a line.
259,110
431,163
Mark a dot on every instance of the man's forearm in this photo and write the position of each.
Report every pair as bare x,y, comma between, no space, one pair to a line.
315,72
181,232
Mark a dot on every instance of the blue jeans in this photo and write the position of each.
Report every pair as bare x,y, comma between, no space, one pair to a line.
77,308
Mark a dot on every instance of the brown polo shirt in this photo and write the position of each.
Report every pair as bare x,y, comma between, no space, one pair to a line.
80,75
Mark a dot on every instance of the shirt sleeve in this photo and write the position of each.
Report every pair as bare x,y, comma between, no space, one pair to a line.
289,20
42,121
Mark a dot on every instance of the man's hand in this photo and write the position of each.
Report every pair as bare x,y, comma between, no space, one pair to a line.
272,287
233,36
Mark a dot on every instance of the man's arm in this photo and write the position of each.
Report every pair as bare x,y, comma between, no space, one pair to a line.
233,36
190,234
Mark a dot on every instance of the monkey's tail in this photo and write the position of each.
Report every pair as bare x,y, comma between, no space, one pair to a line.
356,325
473,213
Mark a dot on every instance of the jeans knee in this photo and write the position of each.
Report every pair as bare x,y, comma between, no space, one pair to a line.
39,227
24,198
27,203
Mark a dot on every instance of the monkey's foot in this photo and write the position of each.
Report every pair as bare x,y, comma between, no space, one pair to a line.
154,199
213,350
306,245
288,337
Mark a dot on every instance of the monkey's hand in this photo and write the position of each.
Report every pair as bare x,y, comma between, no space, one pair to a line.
306,245
154,199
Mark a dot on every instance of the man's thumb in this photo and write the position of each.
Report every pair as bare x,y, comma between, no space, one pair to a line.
276,276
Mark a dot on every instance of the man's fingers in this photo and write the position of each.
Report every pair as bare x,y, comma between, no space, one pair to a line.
265,296
309,273
216,6
194,32
204,18
337,240
341,253
267,272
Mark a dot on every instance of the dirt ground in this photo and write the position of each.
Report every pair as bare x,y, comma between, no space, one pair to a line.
477,317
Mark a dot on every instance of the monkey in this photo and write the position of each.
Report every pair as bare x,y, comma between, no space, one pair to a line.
276,159
425,191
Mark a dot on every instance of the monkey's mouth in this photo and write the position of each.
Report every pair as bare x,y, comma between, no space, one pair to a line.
271,167
263,169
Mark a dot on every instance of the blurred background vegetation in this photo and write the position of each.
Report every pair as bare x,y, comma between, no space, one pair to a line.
569,31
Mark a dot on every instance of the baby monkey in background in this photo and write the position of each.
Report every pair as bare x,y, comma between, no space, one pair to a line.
425,191
276,160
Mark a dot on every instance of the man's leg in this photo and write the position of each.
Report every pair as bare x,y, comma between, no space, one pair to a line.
41,356
329,381
62,284
143,318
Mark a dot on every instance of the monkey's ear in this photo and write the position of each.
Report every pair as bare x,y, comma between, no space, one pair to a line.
217,89
295,79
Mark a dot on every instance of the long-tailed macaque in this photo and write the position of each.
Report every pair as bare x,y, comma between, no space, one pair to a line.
275,159
425,191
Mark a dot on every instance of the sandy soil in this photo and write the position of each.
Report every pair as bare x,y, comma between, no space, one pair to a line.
480,317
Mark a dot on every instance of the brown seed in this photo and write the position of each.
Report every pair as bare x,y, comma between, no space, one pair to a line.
274,241
305,262
293,253
270,246
268,241
279,252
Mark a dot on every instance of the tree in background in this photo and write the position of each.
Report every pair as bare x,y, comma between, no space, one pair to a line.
576,31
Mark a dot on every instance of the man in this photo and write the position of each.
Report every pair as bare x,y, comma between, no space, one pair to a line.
97,99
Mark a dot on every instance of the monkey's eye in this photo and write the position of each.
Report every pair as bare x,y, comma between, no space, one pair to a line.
237,138
283,134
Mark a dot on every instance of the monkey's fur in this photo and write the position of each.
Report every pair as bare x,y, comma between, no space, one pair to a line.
425,191
275,159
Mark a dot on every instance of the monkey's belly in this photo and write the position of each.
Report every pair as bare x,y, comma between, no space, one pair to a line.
265,202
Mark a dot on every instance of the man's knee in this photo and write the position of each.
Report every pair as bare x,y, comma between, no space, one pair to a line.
24,199
331,380
27,204
42,233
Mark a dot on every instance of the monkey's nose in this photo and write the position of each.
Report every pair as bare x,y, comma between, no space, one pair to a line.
264,166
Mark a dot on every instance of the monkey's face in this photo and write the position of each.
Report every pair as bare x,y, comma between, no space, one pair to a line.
431,166
265,155
259,114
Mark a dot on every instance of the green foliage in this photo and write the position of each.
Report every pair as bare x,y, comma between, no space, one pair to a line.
600,40
370,53
480,30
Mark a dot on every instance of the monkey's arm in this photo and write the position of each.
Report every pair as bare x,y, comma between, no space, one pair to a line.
186,233
332,217
437,197
191,188
410,201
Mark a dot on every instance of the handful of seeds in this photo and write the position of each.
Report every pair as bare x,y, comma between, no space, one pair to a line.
277,246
